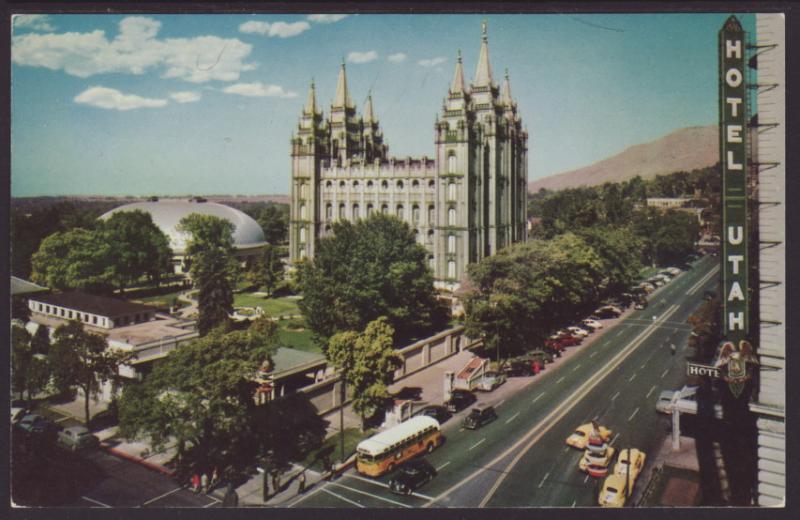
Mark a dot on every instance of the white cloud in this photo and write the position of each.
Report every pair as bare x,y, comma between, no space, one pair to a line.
135,50
259,89
34,22
185,96
280,29
362,57
326,18
112,99
432,62
397,57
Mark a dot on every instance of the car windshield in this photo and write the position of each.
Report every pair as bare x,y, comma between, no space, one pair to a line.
579,433
612,489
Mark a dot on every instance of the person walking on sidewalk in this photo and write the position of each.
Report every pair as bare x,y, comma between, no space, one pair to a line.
196,483
301,483
204,482
214,477
231,498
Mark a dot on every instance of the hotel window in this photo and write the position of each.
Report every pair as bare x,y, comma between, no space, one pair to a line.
451,269
94,320
451,191
47,309
451,244
40,307
69,314
451,217
401,212
451,163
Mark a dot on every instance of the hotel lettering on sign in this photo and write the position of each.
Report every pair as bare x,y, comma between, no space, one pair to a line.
733,158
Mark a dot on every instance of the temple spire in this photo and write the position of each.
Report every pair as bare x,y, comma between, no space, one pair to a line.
483,75
342,98
368,111
457,86
311,102
505,94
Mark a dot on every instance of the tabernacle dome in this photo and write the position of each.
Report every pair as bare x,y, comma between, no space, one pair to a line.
248,237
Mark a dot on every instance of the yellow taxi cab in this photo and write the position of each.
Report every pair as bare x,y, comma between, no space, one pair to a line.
613,493
596,465
633,457
580,437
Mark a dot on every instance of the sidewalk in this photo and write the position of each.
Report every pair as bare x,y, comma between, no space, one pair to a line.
673,477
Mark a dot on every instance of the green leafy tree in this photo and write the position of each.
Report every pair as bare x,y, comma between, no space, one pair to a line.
40,343
274,221
367,362
267,271
30,371
213,268
81,359
368,269
668,236
518,295
619,250
140,247
76,259
201,396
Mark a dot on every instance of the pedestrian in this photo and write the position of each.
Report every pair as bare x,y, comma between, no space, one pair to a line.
204,482
301,483
214,477
536,368
231,498
196,483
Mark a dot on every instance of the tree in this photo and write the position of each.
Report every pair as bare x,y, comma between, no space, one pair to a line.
267,271
213,267
30,371
274,221
668,236
368,269
201,396
140,247
76,259
524,291
619,250
367,362
40,343
81,359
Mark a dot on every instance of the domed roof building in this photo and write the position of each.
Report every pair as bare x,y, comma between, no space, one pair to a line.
248,237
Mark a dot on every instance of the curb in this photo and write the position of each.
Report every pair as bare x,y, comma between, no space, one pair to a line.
133,458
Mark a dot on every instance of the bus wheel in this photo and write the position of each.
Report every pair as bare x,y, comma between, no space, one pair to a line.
430,447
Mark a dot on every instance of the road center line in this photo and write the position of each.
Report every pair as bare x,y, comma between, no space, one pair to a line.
615,396
354,490
161,496
618,334
586,478
440,468
562,378
651,390
337,495
501,402
543,479
95,501
643,365
512,417
576,367
593,354
476,444
633,414
538,397
632,377
664,373
559,412
616,436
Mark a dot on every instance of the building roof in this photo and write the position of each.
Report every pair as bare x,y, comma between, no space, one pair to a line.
20,287
100,305
288,358
168,213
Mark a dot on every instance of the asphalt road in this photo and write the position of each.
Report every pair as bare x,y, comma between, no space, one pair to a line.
49,475
521,459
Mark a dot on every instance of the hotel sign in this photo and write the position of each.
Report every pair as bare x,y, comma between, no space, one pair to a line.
696,369
733,158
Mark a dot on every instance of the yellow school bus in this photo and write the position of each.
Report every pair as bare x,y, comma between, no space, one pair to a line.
384,451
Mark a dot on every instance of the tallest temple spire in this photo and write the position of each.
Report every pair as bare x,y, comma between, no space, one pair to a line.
342,98
483,75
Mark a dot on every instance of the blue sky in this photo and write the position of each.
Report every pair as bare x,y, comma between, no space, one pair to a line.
206,104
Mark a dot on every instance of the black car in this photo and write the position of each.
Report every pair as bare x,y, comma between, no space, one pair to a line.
459,399
411,476
518,368
478,417
440,413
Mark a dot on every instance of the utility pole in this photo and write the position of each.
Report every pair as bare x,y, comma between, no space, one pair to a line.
341,418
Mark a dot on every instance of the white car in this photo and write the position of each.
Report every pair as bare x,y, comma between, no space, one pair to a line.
594,324
17,413
578,331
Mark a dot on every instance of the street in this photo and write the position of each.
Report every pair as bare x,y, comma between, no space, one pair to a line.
521,458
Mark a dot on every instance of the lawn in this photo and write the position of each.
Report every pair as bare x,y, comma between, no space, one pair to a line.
297,339
274,307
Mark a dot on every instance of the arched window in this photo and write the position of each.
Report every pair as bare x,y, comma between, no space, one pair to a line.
369,185
342,211
327,228
415,184
302,235
451,269
399,185
342,184
451,163
431,262
415,214
451,243
451,217
417,236
303,211
356,212
369,210
430,236
385,209
303,191
302,253
451,191
431,215
329,185
401,211
356,184
329,211
384,185
431,184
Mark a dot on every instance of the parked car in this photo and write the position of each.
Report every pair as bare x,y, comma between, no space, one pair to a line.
34,423
580,437
440,413
459,399
640,305
491,380
592,324
76,437
17,413
542,356
411,476
518,368
607,312
596,464
578,331
478,417
613,493
633,458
